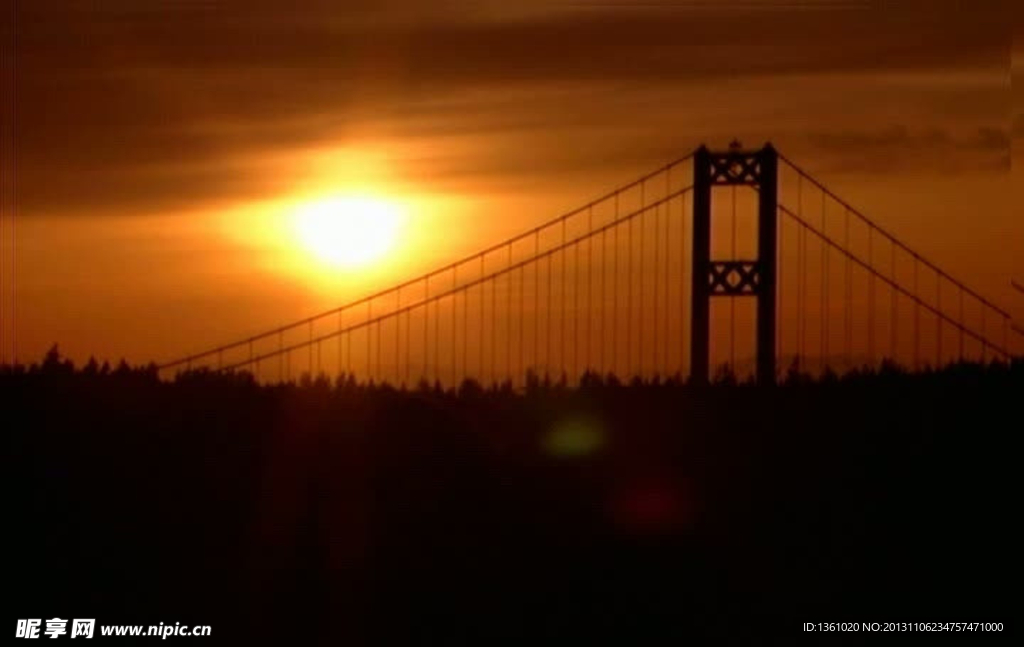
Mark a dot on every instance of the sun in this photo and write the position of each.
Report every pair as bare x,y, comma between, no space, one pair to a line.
348,231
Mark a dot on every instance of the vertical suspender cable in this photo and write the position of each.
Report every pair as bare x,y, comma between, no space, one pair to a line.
587,364
961,322
615,290
629,292
654,333
894,312
536,300
602,309
369,340
780,283
575,312
339,336
562,307
641,220
802,274
508,318
938,320
465,334
521,370
397,317
984,335
1006,339
426,330
378,370
480,329
436,372
871,299
667,323
916,319
683,326
824,286
732,299
848,310
547,323
455,329
494,327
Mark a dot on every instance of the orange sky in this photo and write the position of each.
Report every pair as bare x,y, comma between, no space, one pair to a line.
159,148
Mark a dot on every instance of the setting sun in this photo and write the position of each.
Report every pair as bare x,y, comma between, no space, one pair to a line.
348,231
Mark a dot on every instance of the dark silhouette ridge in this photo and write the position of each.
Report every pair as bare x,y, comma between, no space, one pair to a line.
329,512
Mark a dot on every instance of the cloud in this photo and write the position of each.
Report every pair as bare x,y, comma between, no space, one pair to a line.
896,136
1018,127
900,147
988,138
125,106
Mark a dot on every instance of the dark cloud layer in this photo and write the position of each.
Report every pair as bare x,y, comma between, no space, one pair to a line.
127,105
900,147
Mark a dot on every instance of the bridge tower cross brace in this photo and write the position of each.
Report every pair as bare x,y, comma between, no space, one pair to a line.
734,278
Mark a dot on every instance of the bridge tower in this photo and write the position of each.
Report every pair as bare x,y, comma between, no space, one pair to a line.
734,278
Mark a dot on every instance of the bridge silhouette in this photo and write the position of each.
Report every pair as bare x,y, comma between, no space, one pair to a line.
736,260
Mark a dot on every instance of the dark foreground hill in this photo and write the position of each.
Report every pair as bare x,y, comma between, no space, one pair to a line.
356,515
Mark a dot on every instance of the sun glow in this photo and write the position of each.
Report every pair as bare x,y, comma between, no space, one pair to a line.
348,231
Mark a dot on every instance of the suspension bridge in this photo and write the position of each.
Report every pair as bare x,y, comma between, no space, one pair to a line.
730,262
